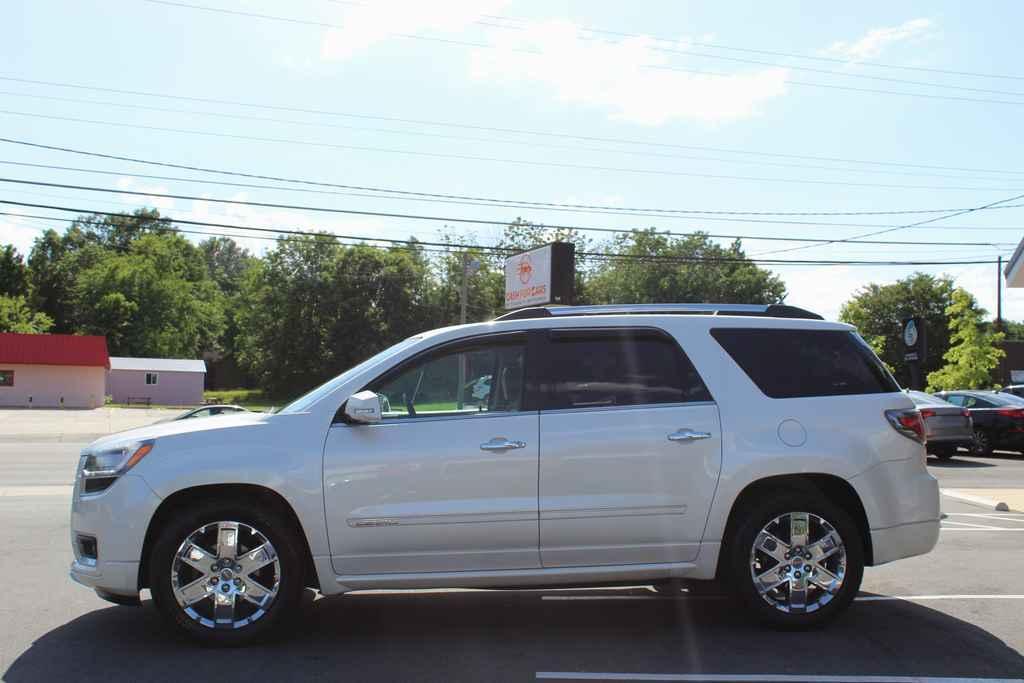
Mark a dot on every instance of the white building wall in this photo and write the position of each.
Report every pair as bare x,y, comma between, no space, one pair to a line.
43,386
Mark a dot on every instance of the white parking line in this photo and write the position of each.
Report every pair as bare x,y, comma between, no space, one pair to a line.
862,598
968,525
757,678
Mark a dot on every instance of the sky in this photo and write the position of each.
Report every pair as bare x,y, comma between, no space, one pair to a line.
650,111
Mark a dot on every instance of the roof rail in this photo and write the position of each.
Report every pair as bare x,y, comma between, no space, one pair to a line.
761,310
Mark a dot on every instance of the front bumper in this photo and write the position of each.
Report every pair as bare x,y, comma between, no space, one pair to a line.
117,518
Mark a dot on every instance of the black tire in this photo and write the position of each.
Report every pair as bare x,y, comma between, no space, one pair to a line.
759,515
274,525
982,443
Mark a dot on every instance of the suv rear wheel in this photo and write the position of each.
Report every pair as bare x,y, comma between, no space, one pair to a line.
796,559
226,573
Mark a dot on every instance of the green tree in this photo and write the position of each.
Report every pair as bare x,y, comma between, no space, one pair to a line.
314,307
226,262
666,269
972,354
17,316
13,273
877,310
154,299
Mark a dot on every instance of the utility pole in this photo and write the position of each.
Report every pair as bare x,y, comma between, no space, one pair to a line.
999,295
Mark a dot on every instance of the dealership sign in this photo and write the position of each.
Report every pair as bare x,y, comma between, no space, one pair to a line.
540,276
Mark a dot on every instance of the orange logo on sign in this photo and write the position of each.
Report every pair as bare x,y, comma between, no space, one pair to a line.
525,269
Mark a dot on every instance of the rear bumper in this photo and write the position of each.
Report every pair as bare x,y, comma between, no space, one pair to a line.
901,502
936,443
905,540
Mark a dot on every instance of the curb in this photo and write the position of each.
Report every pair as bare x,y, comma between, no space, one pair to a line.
998,506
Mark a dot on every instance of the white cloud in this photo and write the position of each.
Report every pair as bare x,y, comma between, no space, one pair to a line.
367,24
146,200
616,76
877,40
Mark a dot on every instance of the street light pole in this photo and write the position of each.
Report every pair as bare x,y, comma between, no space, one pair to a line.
999,294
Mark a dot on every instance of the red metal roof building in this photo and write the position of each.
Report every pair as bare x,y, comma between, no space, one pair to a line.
54,349
52,370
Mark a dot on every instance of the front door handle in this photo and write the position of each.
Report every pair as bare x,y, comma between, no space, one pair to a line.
688,435
501,444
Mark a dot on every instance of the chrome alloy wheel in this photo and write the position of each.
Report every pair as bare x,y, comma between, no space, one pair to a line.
798,563
225,575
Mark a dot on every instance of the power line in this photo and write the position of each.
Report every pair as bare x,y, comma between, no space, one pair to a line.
462,43
579,228
532,144
503,250
503,160
511,203
909,225
319,209
517,131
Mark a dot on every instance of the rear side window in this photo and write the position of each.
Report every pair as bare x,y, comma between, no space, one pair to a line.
797,363
590,369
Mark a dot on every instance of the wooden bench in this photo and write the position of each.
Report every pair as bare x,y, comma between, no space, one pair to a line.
138,400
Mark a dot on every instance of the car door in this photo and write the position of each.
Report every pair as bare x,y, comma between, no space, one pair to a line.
447,480
630,449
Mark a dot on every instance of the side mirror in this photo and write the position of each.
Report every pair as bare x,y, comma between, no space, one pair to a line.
363,408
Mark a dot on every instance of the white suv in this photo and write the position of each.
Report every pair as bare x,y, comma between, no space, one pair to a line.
756,445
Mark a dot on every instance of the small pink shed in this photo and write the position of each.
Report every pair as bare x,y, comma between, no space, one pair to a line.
52,370
160,381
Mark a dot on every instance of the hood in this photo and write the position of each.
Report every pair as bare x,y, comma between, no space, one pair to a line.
173,428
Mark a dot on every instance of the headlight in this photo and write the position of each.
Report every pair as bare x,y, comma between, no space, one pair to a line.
99,469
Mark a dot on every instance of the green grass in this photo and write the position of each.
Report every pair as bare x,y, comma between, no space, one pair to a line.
253,399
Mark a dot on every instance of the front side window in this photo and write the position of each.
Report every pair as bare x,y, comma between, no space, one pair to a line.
151,378
6,378
607,368
470,379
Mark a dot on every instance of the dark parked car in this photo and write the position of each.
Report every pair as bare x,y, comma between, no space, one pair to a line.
1014,389
998,418
947,427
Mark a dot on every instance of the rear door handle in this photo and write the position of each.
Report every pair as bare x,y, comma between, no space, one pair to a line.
688,435
501,444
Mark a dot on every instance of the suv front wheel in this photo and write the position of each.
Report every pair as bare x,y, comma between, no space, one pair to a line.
796,559
226,573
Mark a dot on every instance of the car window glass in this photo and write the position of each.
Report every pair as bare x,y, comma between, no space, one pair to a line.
603,369
467,380
955,400
981,403
971,402
801,363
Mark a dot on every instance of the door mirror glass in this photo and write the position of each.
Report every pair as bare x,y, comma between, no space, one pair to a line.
363,408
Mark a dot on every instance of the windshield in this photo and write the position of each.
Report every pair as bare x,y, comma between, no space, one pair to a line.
306,400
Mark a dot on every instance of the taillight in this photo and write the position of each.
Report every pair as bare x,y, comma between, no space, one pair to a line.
964,412
1015,413
908,423
927,412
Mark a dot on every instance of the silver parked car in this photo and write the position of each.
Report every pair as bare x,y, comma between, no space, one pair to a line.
947,426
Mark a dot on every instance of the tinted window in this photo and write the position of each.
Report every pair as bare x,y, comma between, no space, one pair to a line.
474,379
793,363
955,399
611,368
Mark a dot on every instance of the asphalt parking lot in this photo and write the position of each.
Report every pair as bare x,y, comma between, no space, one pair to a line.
953,614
